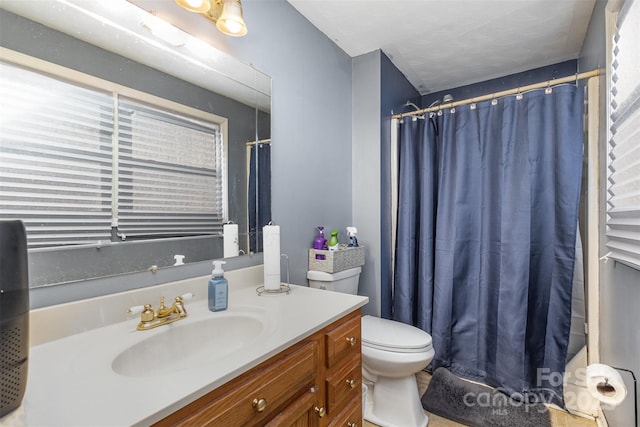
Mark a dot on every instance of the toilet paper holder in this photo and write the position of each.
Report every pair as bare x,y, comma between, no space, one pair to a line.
605,388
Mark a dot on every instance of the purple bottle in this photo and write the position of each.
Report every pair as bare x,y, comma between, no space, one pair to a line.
320,242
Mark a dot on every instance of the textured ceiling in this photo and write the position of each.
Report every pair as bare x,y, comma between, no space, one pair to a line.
441,44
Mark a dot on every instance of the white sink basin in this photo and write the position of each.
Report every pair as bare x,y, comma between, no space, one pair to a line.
184,346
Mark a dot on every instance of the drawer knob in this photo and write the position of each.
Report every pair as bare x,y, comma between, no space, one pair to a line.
352,340
320,411
351,383
352,424
259,405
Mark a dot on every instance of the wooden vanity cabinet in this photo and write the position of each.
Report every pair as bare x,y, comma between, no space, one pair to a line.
343,377
351,416
315,382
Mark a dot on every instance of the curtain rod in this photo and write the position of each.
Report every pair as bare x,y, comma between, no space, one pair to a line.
261,141
514,91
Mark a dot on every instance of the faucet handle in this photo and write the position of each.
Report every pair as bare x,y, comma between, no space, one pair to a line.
179,304
136,309
146,311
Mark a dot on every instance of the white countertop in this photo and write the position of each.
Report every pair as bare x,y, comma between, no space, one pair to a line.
71,381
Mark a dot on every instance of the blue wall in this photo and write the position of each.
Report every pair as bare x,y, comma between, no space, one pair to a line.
379,90
311,123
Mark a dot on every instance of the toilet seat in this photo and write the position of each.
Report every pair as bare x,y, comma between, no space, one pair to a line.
394,336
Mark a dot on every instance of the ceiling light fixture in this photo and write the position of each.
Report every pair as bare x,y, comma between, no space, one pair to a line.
227,14
199,6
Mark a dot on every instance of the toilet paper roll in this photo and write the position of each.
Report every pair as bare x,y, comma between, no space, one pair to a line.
230,240
271,257
605,384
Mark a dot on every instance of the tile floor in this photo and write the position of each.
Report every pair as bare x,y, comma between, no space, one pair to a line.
558,418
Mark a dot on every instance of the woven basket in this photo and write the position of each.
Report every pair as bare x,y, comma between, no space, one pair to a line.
334,261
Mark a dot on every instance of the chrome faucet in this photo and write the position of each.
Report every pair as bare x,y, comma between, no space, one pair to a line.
150,319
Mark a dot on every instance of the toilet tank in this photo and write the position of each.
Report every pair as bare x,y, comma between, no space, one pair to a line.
345,281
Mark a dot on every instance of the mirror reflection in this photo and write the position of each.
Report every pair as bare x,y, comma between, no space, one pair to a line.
106,41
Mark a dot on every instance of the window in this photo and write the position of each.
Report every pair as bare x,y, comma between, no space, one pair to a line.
80,165
623,192
170,174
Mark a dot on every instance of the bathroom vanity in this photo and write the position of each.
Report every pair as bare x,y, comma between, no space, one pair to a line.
288,359
317,381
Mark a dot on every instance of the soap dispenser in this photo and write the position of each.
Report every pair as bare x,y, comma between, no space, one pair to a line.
320,242
218,288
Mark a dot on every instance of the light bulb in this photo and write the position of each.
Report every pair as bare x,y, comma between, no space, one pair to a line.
199,6
231,21
195,3
233,26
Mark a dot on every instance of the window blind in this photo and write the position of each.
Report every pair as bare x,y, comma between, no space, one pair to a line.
55,158
77,164
623,192
170,170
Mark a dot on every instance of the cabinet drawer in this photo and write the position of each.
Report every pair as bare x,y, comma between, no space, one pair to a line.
301,413
351,416
343,341
344,384
274,387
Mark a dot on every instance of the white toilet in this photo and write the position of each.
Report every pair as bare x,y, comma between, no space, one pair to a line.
392,353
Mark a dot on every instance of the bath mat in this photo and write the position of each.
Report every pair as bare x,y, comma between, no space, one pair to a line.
478,405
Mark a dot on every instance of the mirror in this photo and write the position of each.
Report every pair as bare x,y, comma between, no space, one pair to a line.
112,40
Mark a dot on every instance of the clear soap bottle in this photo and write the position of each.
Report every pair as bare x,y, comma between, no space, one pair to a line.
218,288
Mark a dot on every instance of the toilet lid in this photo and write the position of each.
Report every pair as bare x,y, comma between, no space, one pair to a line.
397,336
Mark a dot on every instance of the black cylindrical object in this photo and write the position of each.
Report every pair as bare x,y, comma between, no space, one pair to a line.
14,315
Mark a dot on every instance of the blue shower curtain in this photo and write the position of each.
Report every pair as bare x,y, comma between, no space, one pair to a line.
488,204
259,194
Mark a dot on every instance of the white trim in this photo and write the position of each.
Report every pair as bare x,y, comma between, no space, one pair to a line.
593,213
395,126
